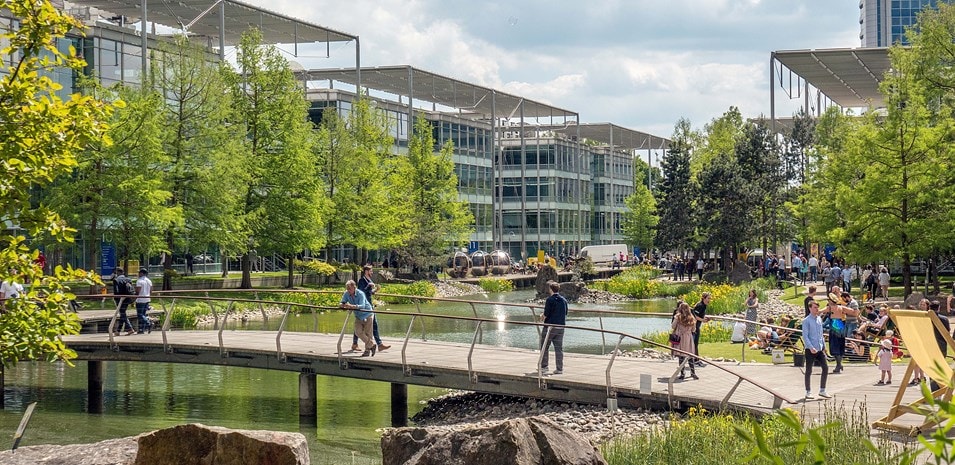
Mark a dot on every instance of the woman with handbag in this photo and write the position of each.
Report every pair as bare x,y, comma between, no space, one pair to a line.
684,325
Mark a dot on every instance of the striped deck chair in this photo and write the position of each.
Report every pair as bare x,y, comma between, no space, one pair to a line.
918,327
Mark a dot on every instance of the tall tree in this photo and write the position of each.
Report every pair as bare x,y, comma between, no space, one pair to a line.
116,190
359,166
640,220
440,220
885,179
204,166
758,156
282,202
40,135
676,193
725,204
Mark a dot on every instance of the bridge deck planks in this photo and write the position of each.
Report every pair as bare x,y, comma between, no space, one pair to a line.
855,384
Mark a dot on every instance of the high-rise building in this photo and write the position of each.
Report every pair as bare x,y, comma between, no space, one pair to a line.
883,22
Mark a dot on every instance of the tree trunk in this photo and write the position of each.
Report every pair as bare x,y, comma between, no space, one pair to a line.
167,262
291,271
906,275
225,266
246,271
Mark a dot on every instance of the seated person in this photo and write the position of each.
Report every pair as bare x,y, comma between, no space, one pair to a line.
767,335
896,352
856,348
876,327
786,321
871,313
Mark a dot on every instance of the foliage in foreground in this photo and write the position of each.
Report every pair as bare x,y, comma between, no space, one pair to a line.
782,438
40,137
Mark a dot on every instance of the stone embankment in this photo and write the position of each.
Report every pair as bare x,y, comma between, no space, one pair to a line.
460,410
456,289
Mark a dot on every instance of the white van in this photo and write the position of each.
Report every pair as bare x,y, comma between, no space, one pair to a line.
604,253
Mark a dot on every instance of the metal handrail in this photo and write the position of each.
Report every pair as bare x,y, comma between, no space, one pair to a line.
479,321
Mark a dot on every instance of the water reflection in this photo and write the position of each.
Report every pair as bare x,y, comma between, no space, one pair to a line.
140,397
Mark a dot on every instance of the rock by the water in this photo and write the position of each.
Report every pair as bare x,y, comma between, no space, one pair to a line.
180,445
110,452
524,441
573,290
740,273
212,445
545,274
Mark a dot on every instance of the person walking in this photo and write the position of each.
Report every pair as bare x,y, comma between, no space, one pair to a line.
10,289
813,268
368,287
699,314
752,310
352,299
554,318
884,282
810,297
684,329
815,352
699,268
122,286
144,289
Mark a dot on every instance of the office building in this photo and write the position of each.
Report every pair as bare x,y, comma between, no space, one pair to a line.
882,23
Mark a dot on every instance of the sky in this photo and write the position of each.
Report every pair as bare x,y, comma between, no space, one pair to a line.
641,64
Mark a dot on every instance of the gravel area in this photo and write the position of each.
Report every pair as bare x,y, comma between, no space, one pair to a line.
460,410
456,289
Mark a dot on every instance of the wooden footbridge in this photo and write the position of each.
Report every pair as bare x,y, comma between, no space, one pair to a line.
605,378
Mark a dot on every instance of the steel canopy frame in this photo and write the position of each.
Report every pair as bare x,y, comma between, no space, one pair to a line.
468,101
233,18
848,77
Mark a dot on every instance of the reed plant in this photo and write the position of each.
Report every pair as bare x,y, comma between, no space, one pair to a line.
784,437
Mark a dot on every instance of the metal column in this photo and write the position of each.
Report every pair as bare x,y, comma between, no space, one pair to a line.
307,396
399,405
221,32
143,34
94,386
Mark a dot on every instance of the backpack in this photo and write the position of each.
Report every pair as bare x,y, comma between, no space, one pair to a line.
123,286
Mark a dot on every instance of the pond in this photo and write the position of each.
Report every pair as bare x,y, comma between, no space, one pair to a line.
141,397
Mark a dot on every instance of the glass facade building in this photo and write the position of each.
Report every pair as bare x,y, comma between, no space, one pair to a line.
882,23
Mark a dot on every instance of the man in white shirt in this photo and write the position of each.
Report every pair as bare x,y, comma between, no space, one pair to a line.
9,289
699,268
144,288
813,267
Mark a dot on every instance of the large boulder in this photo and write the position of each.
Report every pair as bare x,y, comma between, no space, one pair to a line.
211,445
193,444
573,290
545,274
912,301
523,441
112,451
740,273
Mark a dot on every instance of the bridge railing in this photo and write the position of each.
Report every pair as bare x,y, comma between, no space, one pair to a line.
168,301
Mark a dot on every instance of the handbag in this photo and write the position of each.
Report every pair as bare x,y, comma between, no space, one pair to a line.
674,338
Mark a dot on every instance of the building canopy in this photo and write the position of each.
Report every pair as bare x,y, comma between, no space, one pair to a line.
424,86
611,134
206,18
848,77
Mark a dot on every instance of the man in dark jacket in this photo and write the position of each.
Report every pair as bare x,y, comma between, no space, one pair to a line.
554,317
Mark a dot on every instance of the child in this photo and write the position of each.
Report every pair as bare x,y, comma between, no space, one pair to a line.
885,362
890,335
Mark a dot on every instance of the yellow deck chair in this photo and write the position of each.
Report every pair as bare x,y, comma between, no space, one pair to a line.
917,328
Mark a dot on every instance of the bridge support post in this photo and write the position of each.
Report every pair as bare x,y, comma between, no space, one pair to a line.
307,395
399,405
94,386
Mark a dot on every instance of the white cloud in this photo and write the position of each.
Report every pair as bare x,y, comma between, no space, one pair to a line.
638,63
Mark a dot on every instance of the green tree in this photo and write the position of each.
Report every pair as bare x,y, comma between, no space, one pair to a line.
676,192
725,205
758,155
116,190
359,166
204,173
640,220
440,220
890,201
40,135
282,201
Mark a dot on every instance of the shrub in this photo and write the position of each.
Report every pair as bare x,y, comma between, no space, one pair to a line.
417,288
496,284
711,331
315,267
